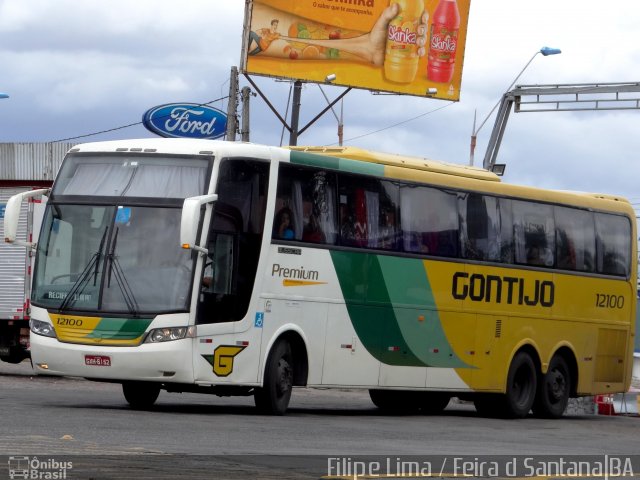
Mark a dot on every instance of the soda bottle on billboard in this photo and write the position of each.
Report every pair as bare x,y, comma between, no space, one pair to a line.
443,41
401,53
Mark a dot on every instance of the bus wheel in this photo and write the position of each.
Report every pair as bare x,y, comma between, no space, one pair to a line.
434,403
521,386
273,398
140,395
553,390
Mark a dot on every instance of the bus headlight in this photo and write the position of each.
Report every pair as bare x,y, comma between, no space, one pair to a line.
42,328
169,334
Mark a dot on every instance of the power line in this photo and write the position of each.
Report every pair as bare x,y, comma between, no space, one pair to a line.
398,124
127,126
96,133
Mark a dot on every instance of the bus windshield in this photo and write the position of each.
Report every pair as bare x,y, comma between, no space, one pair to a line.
117,259
110,241
132,175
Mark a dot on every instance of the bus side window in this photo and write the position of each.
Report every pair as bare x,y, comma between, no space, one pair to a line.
429,221
308,196
534,233
613,244
475,225
575,239
218,277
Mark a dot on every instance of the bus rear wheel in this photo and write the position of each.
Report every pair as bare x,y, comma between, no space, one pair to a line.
521,386
140,395
553,390
273,398
517,401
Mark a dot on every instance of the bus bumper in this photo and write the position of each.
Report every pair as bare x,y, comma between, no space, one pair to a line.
159,362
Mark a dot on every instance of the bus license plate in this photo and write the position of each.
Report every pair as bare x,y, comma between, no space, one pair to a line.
97,360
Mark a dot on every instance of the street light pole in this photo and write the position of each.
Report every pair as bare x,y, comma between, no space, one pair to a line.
545,51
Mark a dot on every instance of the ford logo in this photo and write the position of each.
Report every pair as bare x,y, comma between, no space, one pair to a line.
185,120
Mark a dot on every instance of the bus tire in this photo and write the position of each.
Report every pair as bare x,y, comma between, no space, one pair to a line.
273,398
521,386
553,390
140,395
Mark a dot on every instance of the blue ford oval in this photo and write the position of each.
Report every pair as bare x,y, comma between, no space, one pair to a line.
189,120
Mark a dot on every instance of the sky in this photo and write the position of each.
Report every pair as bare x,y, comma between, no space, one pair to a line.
76,67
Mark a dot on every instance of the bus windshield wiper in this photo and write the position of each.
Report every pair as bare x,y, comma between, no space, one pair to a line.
99,255
94,262
115,268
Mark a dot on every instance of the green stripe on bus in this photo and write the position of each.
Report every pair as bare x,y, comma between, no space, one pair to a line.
416,311
120,328
392,309
370,308
335,163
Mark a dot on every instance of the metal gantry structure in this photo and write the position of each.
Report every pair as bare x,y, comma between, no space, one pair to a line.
559,98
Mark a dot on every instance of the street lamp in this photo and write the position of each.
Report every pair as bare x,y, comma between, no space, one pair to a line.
545,51
4,95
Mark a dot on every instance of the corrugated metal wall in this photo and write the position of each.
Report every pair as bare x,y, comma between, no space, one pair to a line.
31,161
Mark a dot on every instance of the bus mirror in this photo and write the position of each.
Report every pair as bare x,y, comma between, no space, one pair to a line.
12,216
191,219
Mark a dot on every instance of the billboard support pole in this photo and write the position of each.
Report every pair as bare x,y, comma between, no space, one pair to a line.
266,100
327,108
295,112
294,131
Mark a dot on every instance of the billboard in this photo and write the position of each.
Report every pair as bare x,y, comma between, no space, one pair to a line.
413,47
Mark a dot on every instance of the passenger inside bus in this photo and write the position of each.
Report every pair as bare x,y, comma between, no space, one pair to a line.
312,231
283,224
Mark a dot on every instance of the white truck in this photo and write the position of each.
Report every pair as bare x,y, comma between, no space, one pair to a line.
15,278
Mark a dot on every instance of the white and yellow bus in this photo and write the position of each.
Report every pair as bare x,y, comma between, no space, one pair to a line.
239,269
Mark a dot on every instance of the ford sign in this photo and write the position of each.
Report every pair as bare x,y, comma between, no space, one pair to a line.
189,120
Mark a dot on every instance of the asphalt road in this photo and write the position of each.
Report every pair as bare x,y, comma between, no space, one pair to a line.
201,436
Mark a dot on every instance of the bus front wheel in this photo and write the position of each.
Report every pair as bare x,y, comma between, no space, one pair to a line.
553,390
140,395
273,398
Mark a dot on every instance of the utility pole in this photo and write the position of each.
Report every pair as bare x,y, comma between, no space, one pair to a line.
295,112
246,95
232,107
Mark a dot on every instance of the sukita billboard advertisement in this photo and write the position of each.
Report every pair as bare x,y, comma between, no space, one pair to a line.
413,47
